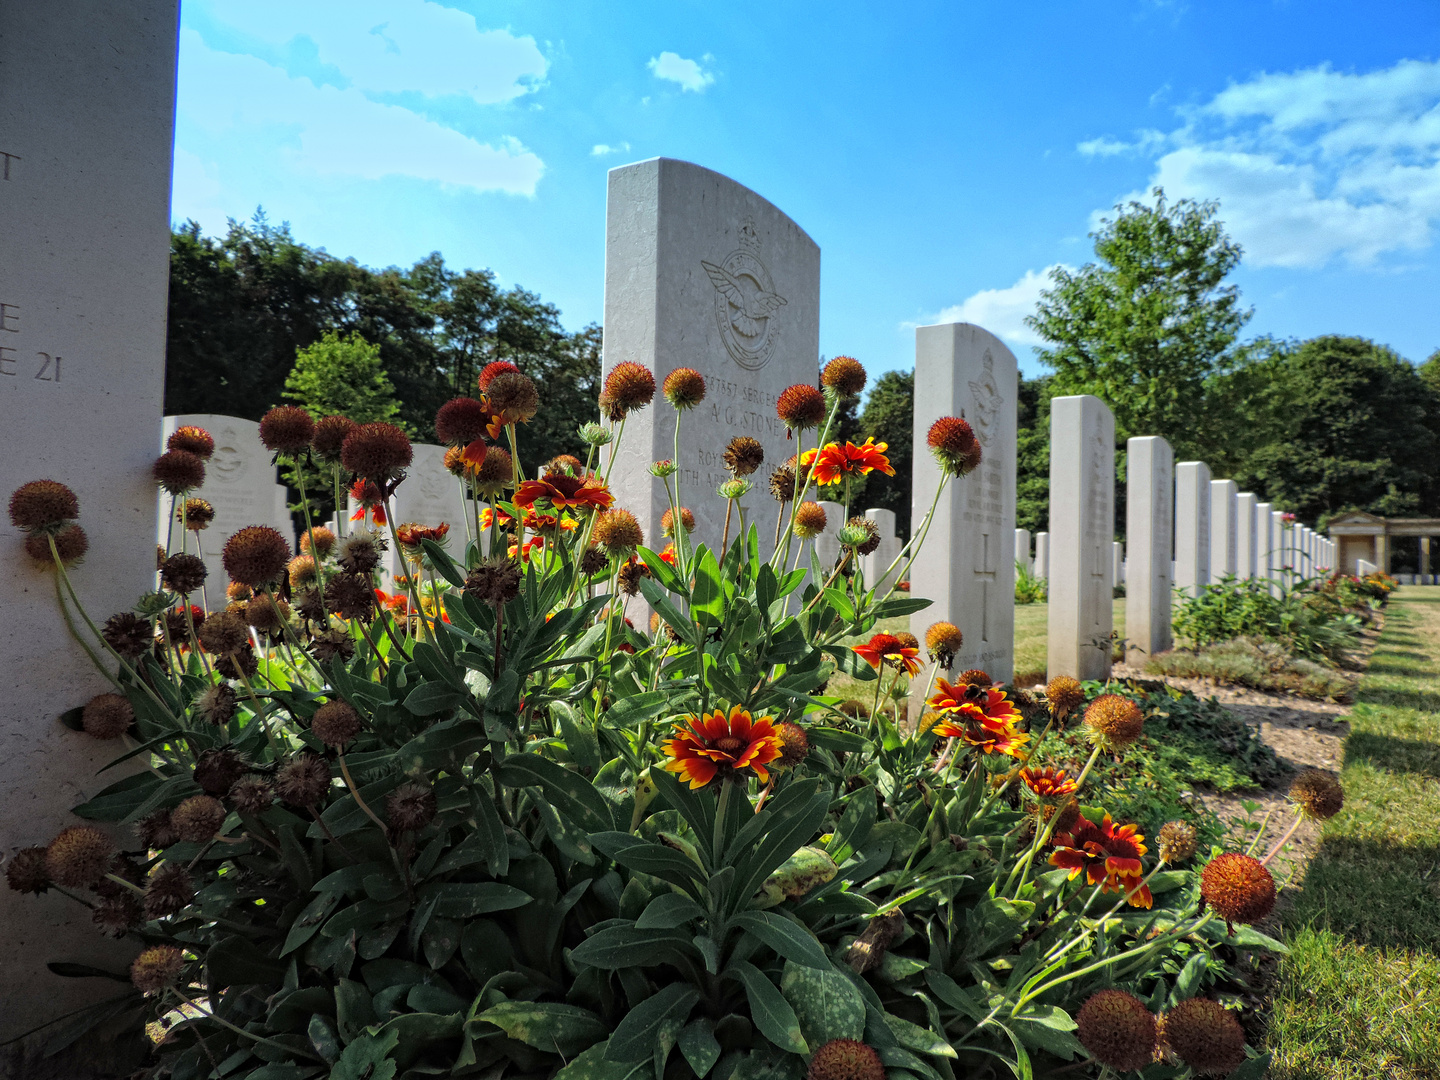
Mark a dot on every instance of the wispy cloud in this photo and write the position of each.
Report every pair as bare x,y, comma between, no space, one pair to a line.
602,149
677,69
1002,311
1144,142
1312,165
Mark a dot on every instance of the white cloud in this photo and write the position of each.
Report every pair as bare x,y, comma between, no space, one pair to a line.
394,46
1145,142
601,149
328,131
1312,165
1003,311
688,73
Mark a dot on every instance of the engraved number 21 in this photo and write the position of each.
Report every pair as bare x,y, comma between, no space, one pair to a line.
43,374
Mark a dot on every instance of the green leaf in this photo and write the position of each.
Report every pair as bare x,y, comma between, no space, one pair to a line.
698,1043
1256,1068
433,697
367,1058
825,1002
900,605
952,994
660,600
580,738
630,712
570,793
667,911
593,1065
1048,1027
420,1031
465,900
921,1040
707,600
769,1009
650,858
235,961
1188,981
841,603
784,937
560,1029
441,560
786,835
842,741
625,946
994,921
437,746
634,1038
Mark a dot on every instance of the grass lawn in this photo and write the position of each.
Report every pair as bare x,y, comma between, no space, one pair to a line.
1359,994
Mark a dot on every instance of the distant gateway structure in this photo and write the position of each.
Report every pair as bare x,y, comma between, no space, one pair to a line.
1359,535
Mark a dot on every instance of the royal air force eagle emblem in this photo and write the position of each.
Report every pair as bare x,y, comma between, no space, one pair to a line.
746,303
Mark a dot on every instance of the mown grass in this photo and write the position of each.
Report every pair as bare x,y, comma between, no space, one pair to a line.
1359,995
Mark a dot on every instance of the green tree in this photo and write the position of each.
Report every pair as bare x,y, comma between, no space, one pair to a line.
1032,455
1430,370
1151,326
1354,427
342,376
889,417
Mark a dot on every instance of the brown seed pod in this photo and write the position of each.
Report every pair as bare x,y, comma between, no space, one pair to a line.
351,596
25,871
593,561
251,794
267,613
43,505
217,704
157,968
667,521
495,581
70,542
195,514
329,437
564,465
287,429
943,641
376,451
1238,887
178,471
1318,794
872,535
491,370
410,807
336,724
496,472
954,445
117,914
360,553
1177,841
332,644
631,573
156,831
845,1059
217,770
617,532
304,780
303,572
801,407
1204,1035
183,573
782,484
794,745
629,386
684,388
128,634
238,665
1064,696
513,397
845,375
78,857
196,440
1117,1029
168,891
743,455
1114,722
198,818
256,555
318,542
107,716
810,520
460,421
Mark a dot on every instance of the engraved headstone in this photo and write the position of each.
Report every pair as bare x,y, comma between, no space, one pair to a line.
430,495
1022,550
827,544
1245,536
1117,564
1278,554
879,561
1082,523
701,272
1224,529
1192,526
967,565
240,483
1149,526
1042,555
85,160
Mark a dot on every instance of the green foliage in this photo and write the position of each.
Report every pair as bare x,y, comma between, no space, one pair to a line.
1032,455
889,416
1029,589
342,376
1258,664
1304,619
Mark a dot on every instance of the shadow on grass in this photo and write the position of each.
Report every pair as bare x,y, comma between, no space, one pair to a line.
1395,697
1393,754
1374,894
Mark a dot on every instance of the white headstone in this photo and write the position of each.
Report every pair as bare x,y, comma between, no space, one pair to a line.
967,565
1224,529
701,272
827,544
1042,555
85,160
1246,540
1082,522
1192,525
1022,550
1279,555
879,561
1149,527
240,483
430,495
1117,563
1364,567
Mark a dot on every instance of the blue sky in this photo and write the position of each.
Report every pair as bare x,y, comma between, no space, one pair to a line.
943,155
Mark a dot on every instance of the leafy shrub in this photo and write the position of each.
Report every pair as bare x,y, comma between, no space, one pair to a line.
1258,664
1304,619
1029,589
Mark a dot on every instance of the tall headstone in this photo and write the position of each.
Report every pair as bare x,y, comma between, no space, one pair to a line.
1279,536
1042,555
1082,523
967,565
430,495
701,272
878,572
827,544
240,483
85,158
1224,529
1192,525
1149,527
1117,563
1245,536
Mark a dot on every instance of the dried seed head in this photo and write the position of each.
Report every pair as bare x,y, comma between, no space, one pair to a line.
178,471
845,1059
491,370
871,542
743,455
810,520
332,644
195,514
303,572
237,665
304,780
287,429
25,871
360,553
256,555
617,532
198,818
629,386
495,581
943,641
855,710
496,473
564,465
631,573
1064,696
667,521
1117,1029
845,375
251,794
78,857
1177,842
954,445
217,704
71,544
196,440
217,770
351,596
318,542
157,968
1318,794
801,407
782,484
377,451
336,724
1204,1035
593,561
1238,887
267,613
156,831
410,807
107,716
974,677
684,388
513,397
329,437
794,744
183,573
43,505
128,634
461,421
168,891
117,914
1114,722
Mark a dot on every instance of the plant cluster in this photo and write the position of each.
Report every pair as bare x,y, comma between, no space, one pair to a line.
1029,589
486,824
1303,616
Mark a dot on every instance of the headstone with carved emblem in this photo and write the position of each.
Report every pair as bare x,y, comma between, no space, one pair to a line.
703,273
88,94
1082,527
967,563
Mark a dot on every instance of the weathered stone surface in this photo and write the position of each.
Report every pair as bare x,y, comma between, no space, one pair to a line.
1042,555
1192,525
1022,550
1082,515
1149,527
878,562
967,564
1246,537
1224,529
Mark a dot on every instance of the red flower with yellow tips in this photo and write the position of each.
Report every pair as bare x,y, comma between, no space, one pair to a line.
887,648
986,735
669,555
1110,857
370,500
489,517
834,462
976,702
718,745
559,490
1048,783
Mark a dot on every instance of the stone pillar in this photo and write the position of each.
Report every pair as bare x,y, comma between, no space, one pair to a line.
1192,526
1022,550
1382,553
1425,555
1149,526
1224,529
701,272
878,561
85,162
1082,521
1245,536
1117,563
1042,555
967,565
1278,540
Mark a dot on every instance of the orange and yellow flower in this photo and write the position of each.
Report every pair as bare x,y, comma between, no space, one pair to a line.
411,535
669,554
1048,783
975,702
489,517
536,543
1110,857
887,648
370,500
834,462
705,747
559,490
987,735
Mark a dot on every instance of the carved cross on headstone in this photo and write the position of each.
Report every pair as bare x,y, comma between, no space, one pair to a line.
985,571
